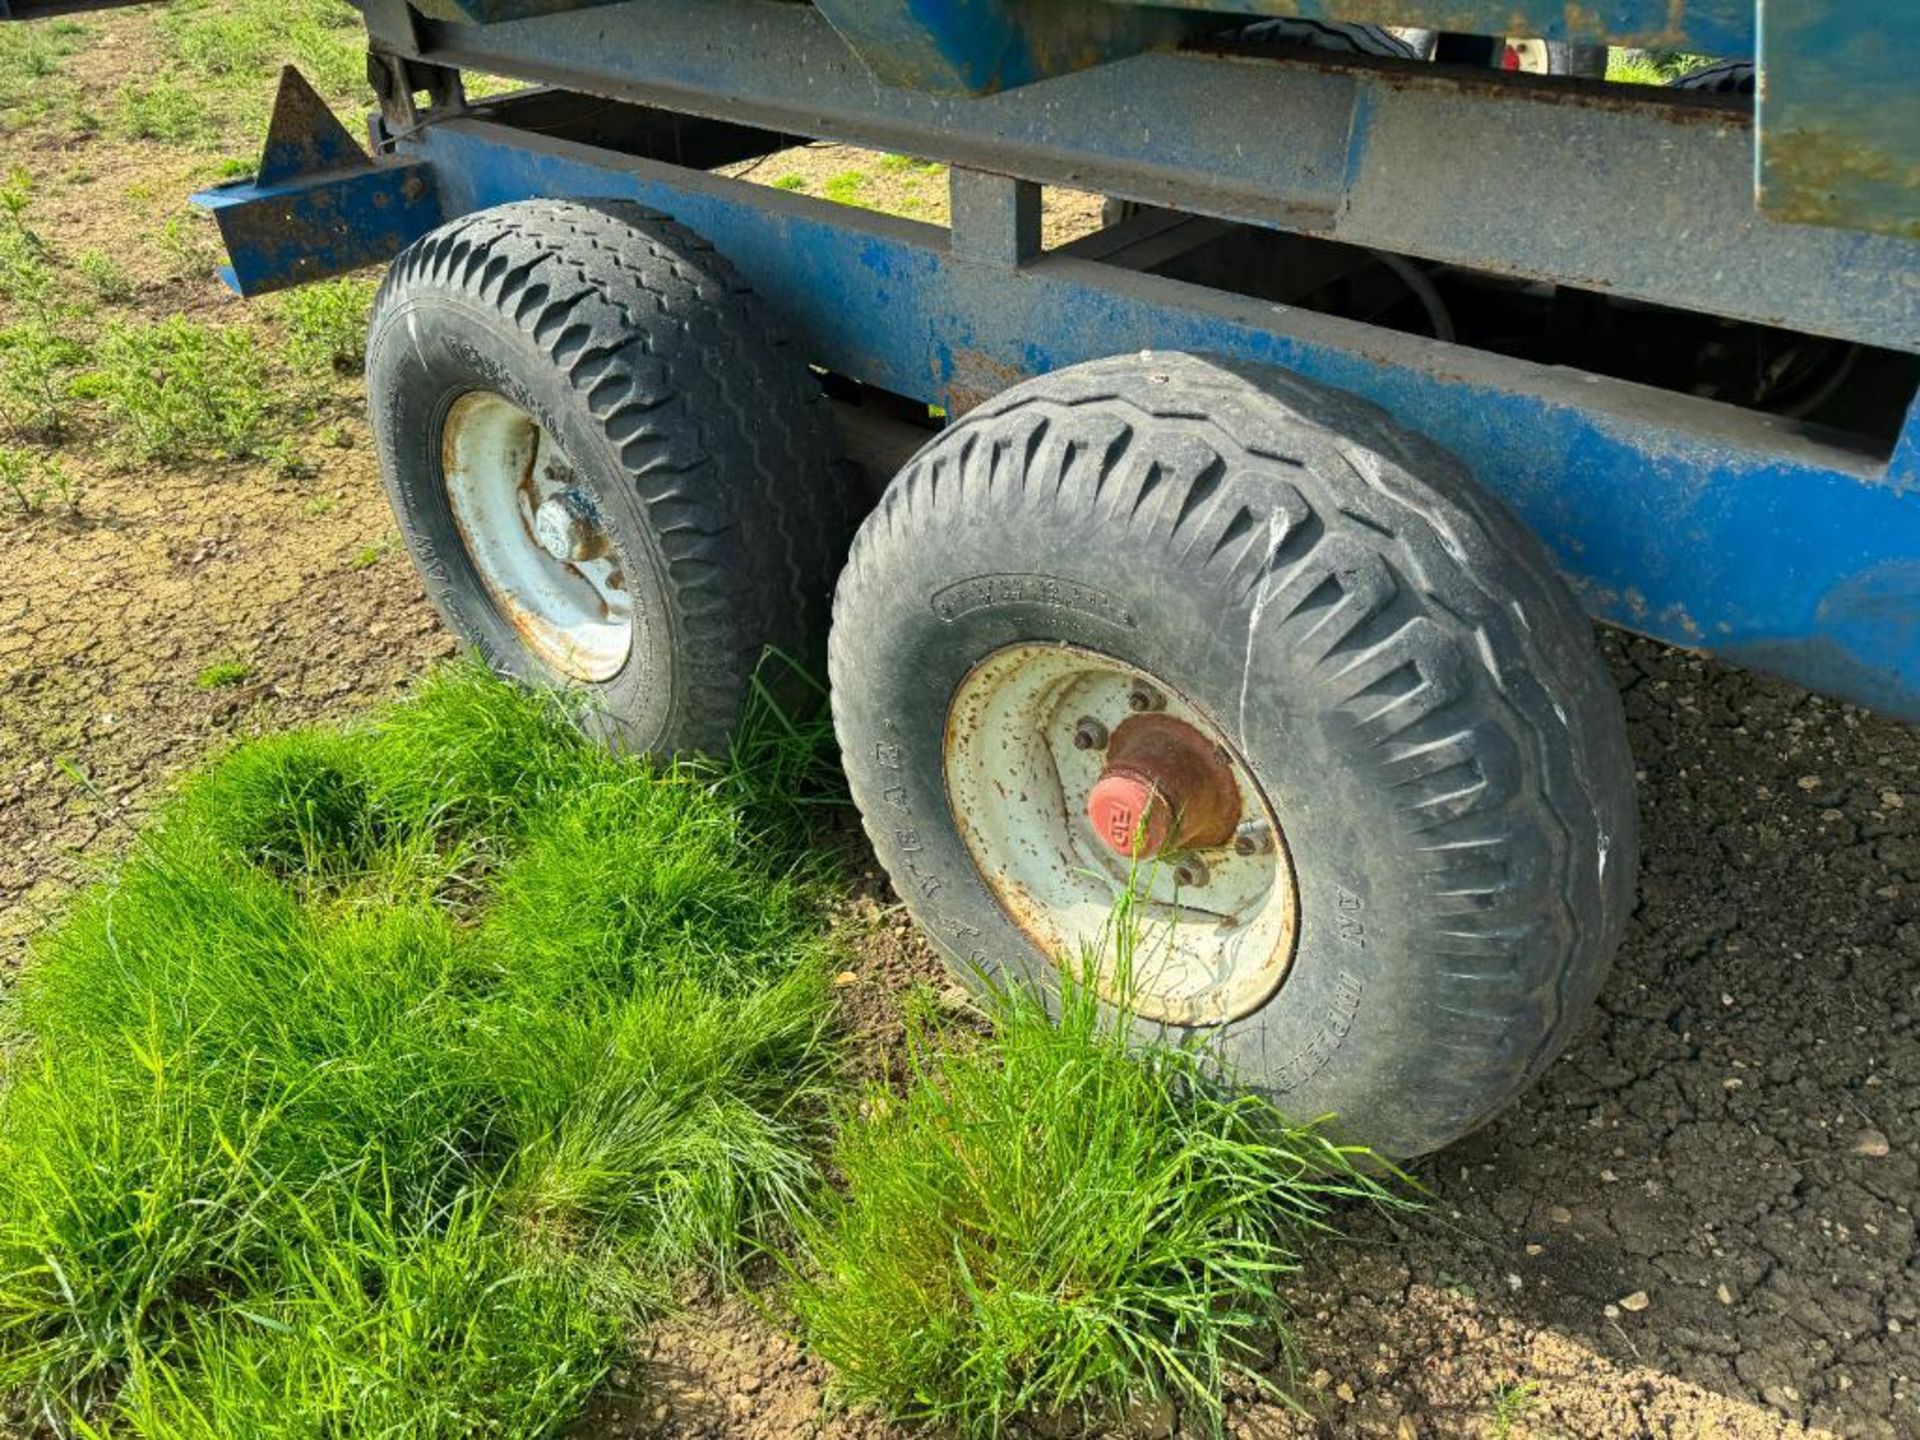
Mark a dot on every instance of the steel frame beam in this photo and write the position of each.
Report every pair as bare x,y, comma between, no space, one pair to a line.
1641,195
1708,526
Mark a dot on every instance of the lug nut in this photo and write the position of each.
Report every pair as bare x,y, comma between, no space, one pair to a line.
1089,734
1252,837
1191,872
1143,698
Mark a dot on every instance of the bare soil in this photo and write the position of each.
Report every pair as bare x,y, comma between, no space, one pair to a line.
1700,1225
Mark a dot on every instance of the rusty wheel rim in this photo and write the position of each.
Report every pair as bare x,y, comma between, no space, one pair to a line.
1046,748
535,539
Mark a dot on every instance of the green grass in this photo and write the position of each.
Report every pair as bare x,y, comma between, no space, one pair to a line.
327,325
1049,1222
105,276
176,389
161,109
1511,1404
846,188
395,1073
223,673
33,86
224,55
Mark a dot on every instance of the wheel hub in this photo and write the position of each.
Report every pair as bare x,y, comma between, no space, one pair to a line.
1066,770
1164,786
535,539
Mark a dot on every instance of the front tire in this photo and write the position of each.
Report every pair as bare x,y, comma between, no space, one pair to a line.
1376,654
612,472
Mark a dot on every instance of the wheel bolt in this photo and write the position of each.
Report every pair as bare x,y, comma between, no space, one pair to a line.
1143,697
1252,837
1089,734
1191,872
566,527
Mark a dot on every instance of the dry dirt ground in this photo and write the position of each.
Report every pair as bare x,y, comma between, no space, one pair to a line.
1700,1225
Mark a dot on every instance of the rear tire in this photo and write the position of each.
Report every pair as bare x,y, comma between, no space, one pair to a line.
599,358
1379,651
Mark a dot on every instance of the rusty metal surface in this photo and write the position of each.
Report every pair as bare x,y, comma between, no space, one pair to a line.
1180,769
1216,928
1840,114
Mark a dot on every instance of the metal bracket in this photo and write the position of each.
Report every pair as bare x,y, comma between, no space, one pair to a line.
396,80
320,205
996,219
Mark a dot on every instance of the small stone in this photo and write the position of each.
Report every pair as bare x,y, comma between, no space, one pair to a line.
662,1412
1636,1302
1893,799
1514,1282
1808,782
1607,1177
845,978
1872,1144
1726,999
1404,1429
1345,1391
1320,1380
1612,1312
1723,1294
1536,1249
749,1383
1893,1327
1559,1215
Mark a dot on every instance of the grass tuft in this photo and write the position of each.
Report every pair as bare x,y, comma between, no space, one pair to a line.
315,1118
175,389
1051,1223
327,325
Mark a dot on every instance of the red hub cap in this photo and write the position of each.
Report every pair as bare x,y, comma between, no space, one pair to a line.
1164,784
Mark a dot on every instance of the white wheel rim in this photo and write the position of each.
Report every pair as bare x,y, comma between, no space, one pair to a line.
1018,788
505,476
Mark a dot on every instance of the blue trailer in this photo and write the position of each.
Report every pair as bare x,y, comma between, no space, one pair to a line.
1246,545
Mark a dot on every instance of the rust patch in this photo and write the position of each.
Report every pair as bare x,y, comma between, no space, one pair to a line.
978,377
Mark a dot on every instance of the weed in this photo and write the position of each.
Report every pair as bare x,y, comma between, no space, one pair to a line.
368,556
187,242
1051,1223
224,46
39,377
846,188
311,1122
30,480
174,388
1511,1402
161,109
106,277
908,165
790,182
223,673
327,324
320,505
31,83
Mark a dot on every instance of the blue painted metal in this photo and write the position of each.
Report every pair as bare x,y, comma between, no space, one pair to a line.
318,205
976,47
1840,113
1704,525
1627,189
